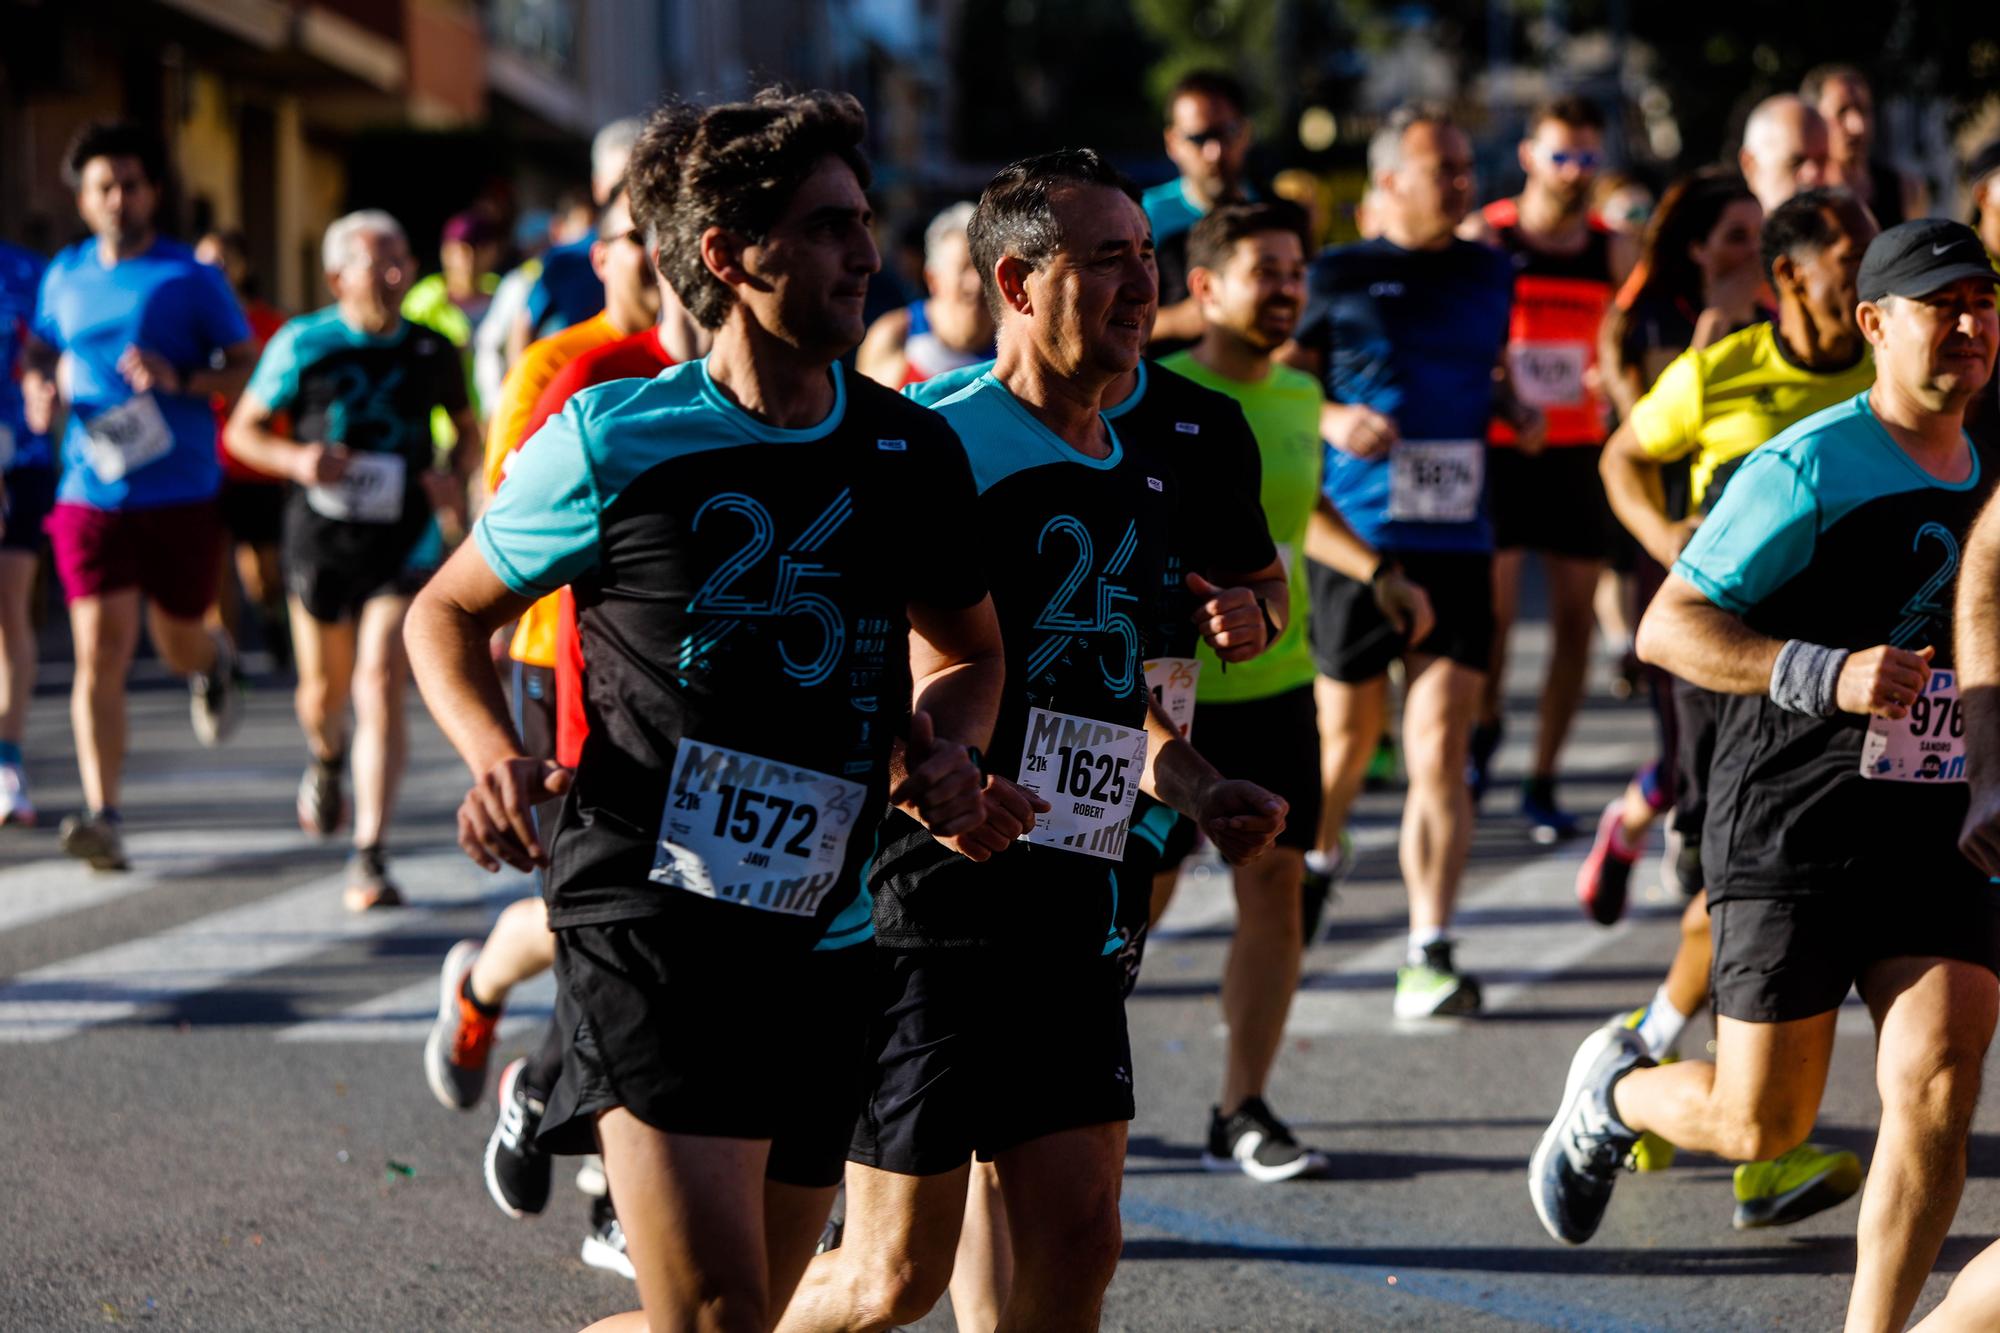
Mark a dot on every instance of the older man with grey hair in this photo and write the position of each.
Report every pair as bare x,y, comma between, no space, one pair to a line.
1405,332
1784,149
358,384
950,329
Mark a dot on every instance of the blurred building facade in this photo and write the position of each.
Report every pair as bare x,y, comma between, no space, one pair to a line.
280,114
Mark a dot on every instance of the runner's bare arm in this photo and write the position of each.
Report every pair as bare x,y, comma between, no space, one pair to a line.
228,379
1976,646
250,441
446,632
38,384
1334,544
1632,484
1621,379
1686,634
147,370
957,670
1179,322
880,356
1240,818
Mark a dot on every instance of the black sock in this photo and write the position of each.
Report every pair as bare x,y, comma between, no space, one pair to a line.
465,989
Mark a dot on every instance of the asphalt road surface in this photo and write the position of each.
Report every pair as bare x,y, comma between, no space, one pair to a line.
214,1116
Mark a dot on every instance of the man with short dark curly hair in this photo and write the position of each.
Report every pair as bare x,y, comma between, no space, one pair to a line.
771,570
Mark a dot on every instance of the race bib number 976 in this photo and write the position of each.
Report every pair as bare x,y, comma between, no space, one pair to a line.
1926,746
749,830
1436,481
1088,771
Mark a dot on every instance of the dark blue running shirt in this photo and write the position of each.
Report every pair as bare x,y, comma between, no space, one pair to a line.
1416,335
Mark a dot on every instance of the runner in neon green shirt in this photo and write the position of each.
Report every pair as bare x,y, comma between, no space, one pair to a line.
1283,411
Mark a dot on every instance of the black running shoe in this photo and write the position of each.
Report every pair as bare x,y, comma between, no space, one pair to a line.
517,1172
1479,759
1585,1146
1257,1143
604,1243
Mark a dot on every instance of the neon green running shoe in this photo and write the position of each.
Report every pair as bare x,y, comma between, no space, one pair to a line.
1435,988
1385,766
1651,1152
1809,1179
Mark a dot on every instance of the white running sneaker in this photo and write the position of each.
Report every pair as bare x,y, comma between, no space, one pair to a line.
15,807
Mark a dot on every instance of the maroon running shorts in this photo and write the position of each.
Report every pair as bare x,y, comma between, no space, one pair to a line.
170,554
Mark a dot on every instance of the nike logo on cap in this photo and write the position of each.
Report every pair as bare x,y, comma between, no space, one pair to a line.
1940,249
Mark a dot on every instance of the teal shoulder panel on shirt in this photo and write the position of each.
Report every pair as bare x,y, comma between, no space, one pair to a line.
1002,438
541,530
1820,469
931,392
1168,209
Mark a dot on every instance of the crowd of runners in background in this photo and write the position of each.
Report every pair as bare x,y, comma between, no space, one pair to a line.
857,681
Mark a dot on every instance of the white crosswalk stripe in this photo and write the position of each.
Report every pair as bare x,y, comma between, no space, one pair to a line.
124,980
41,890
405,1014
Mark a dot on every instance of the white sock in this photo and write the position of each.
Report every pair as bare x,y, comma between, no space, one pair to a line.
1420,938
1662,1026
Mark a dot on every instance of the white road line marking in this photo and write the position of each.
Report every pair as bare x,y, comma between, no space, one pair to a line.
124,980
406,1014
41,889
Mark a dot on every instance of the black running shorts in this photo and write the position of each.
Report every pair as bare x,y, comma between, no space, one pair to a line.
1695,717
1353,642
253,512
1273,742
698,1035
335,568
1782,959
976,1051
1552,502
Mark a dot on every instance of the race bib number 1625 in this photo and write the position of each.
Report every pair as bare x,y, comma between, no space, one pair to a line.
754,831
1088,771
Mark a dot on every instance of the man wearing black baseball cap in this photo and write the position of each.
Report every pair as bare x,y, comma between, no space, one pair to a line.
1817,598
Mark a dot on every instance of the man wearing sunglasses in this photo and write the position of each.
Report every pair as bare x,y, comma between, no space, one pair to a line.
1208,138
1549,499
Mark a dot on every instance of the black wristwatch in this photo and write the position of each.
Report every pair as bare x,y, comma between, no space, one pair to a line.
978,758
1384,567
1271,630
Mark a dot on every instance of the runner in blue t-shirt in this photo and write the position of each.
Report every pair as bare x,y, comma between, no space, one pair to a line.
27,488
1405,332
567,290
131,338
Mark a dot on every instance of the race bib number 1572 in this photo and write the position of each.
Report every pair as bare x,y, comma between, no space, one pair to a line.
754,831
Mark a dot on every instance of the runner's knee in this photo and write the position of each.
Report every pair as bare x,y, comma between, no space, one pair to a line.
891,1293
